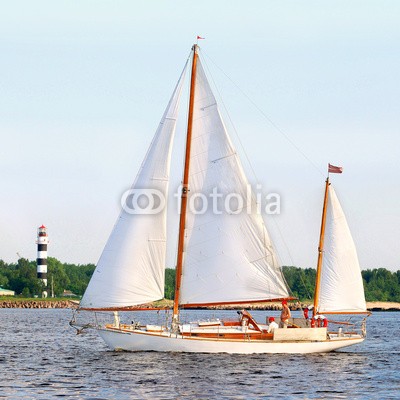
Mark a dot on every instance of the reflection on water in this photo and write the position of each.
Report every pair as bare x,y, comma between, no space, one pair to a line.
42,357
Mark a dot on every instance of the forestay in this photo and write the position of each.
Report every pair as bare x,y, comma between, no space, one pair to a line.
228,256
341,287
131,268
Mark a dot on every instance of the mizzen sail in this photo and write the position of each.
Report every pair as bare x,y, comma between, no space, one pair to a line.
131,268
341,287
229,257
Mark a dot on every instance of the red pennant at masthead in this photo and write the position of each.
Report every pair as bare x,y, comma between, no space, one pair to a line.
334,170
199,37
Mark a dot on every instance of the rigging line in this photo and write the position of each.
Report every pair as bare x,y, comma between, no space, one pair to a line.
237,136
251,166
274,250
187,88
291,260
243,149
309,296
269,119
230,119
281,132
166,113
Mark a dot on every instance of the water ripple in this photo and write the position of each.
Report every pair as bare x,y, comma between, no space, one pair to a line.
42,358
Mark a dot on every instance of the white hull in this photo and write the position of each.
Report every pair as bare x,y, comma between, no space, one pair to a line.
144,341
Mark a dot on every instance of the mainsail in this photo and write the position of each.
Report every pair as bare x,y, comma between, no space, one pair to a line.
341,287
229,257
131,268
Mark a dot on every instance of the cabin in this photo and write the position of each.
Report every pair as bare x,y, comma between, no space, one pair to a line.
6,292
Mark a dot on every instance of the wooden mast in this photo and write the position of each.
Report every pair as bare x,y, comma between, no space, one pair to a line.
321,248
185,189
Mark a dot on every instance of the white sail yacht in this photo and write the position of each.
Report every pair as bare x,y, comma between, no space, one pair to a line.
223,258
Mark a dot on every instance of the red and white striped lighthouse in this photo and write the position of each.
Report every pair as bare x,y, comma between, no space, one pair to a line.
41,261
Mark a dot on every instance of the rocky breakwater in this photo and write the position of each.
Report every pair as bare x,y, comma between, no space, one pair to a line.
38,304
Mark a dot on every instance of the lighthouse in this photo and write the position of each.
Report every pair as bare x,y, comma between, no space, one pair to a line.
42,241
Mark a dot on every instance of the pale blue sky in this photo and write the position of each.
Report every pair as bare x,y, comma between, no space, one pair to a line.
83,85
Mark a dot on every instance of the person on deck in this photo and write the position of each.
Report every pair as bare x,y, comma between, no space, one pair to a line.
285,315
272,325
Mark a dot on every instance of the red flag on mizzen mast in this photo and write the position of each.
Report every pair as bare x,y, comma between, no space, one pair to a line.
199,37
334,170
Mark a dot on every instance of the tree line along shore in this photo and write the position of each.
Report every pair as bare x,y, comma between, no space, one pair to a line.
380,284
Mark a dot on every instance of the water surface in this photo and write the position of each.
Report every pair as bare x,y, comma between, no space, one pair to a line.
41,357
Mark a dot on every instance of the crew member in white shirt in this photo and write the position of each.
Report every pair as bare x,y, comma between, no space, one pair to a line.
272,325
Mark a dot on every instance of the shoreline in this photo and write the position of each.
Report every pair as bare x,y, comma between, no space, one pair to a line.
73,304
